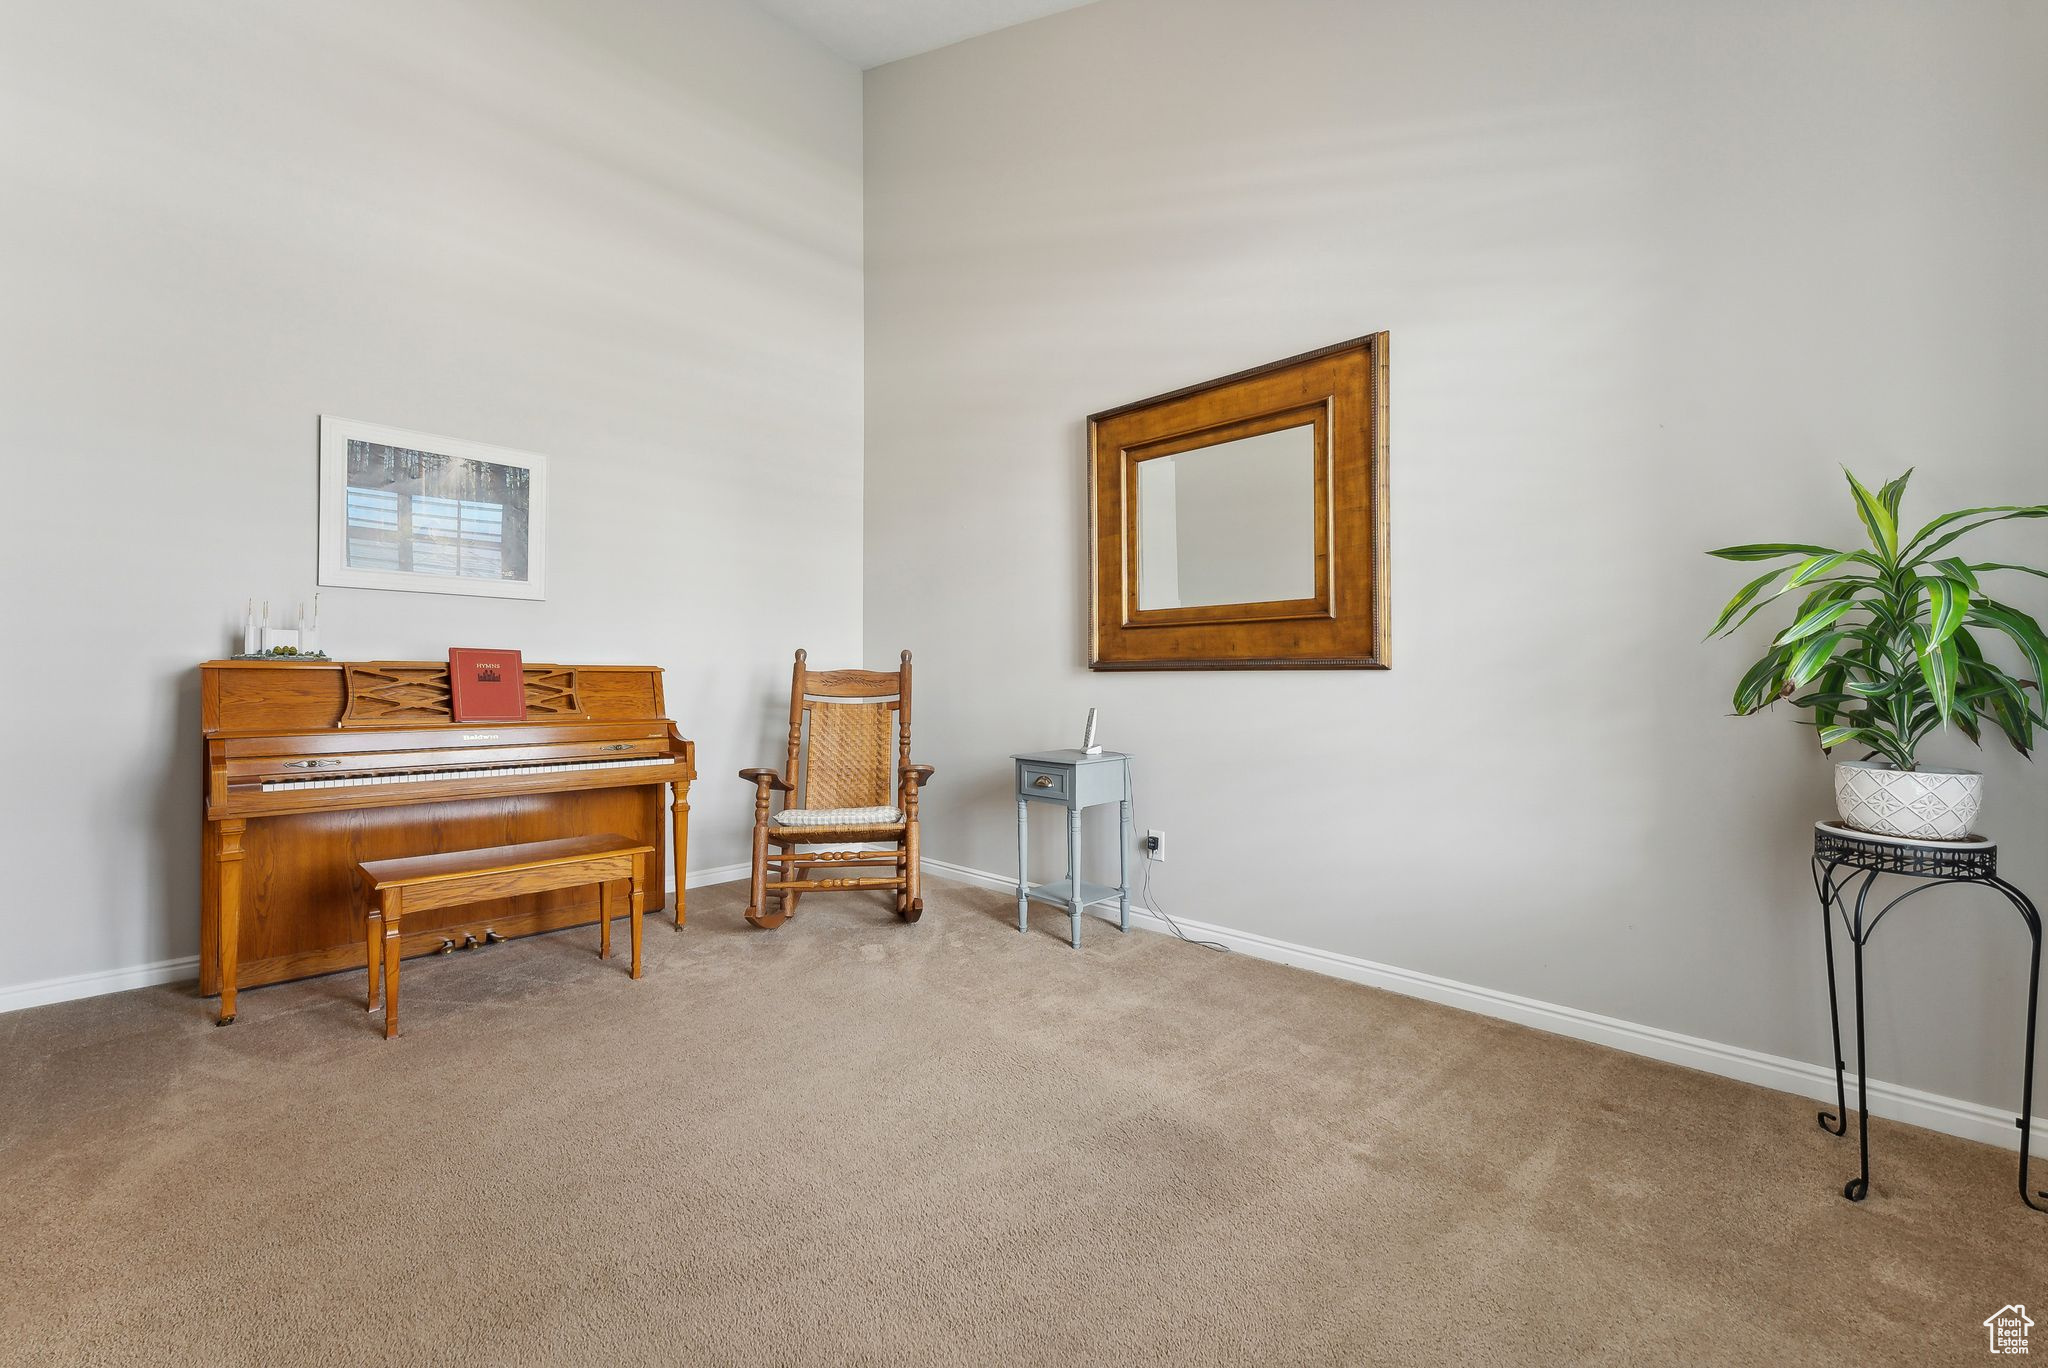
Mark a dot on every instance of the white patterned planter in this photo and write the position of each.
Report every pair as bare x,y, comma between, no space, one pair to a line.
1928,804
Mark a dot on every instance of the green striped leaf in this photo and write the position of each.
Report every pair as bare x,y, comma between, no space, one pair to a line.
1893,492
1761,685
1957,570
1947,601
2018,730
1814,621
1938,666
2001,565
2023,630
1813,567
1742,598
1827,700
1826,592
1848,584
1877,519
1831,737
2016,719
1768,551
1824,694
1982,675
2000,513
1812,656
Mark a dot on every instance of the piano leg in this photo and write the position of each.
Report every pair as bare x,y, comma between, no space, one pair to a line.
229,917
681,809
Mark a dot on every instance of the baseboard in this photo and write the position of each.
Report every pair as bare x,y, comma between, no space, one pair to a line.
45,991
1949,1115
718,874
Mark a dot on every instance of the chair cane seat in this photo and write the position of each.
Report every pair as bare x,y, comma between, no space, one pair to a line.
836,824
839,817
814,835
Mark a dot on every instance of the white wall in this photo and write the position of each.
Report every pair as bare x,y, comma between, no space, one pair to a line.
1651,272
626,234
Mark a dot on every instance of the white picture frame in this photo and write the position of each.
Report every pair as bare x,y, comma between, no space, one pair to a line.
424,514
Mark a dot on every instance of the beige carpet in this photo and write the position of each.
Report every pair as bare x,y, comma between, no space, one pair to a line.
852,1141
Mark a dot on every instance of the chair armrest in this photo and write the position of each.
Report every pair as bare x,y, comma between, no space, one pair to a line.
919,775
769,777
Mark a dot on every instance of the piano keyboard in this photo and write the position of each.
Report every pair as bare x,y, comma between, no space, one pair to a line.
470,772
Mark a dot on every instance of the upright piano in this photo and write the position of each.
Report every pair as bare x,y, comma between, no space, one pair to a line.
314,767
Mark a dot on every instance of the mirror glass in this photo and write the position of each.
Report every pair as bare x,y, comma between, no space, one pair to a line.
1229,523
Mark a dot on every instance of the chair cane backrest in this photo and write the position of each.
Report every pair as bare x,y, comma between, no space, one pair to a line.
839,725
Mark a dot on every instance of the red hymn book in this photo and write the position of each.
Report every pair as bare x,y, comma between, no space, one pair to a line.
485,686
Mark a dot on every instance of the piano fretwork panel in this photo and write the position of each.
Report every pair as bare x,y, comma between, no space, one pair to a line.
297,795
386,692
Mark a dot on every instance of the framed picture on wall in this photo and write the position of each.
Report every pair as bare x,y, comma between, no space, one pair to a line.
431,515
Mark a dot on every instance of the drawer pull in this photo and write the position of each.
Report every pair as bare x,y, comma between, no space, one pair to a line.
1042,781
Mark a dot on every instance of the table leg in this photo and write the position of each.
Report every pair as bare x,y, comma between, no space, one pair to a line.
604,920
1836,1123
1023,862
1074,873
393,921
373,952
2026,1116
1123,865
1857,1188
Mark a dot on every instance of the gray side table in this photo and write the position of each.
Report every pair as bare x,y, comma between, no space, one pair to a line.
1073,780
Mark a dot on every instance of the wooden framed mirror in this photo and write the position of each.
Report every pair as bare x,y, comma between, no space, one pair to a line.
1242,523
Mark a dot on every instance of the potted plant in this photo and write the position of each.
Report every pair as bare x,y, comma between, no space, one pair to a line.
1884,641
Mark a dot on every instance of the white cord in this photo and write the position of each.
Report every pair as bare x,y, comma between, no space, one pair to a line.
1151,904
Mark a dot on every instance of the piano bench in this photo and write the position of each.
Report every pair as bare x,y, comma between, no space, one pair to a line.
422,883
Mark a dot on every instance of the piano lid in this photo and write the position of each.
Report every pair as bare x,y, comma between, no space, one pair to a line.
265,697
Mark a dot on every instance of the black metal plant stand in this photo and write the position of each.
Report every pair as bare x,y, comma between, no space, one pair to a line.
1840,854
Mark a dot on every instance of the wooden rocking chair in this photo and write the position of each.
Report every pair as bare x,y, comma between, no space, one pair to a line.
841,788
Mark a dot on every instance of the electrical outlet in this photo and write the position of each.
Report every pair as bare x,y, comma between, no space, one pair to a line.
1155,846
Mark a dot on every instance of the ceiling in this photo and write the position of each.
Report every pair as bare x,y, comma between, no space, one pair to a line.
871,32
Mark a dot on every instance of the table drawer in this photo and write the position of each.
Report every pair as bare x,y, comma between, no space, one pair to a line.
1043,781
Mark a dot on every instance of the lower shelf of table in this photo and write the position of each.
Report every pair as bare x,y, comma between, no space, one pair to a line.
1060,893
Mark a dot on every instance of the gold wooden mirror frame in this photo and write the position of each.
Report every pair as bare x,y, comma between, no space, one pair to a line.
1340,393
